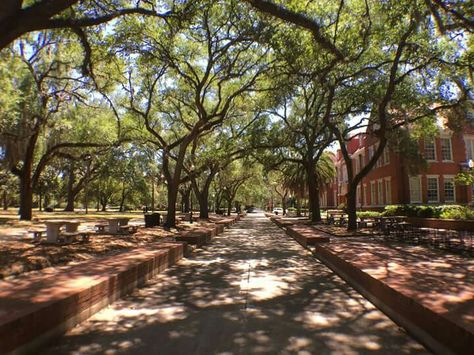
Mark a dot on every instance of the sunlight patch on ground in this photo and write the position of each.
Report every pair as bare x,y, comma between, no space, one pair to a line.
162,314
88,349
317,320
265,287
297,344
192,262
350,344
221,300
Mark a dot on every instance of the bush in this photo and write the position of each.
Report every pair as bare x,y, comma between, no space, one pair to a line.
457,212
424,211
368,214
394,210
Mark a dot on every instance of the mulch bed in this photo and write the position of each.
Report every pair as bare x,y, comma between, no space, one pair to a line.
342,231
21,255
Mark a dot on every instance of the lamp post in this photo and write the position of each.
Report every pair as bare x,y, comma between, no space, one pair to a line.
470,163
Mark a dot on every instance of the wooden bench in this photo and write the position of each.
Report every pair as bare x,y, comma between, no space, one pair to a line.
37,234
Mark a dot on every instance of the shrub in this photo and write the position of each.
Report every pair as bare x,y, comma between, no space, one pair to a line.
456,212
424,211
394,210
368,214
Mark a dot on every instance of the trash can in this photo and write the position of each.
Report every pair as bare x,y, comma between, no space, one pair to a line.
152,220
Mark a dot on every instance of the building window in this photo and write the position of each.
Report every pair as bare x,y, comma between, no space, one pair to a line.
386,156
379,192
449,190
371,152
379,161
388,191
372,193
365,197
430,150
359,196
415,189
470,148
446,153
432,189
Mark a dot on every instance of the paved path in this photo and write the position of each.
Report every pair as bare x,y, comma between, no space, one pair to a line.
253,290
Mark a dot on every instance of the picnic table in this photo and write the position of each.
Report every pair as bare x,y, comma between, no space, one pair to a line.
53,227
387,223
336,216
116,223
364,222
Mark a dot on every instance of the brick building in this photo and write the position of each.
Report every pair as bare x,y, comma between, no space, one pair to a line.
389,181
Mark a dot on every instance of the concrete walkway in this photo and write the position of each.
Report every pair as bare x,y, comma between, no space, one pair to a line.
253,290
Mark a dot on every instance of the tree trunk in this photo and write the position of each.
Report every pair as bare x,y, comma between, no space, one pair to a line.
70,189
70,201
103,203
283,204
313,193
186,200
203,200
5,200
26,197
351,209
314,205
218,204
298,207
229,207
203,205
172,198
46,200
122,198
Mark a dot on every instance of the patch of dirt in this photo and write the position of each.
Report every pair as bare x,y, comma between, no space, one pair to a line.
18,254
342,231
18,257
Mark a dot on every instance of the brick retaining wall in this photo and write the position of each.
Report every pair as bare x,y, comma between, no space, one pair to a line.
38,307
452,224
437,332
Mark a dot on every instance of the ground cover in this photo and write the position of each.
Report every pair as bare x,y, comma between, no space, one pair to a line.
19,255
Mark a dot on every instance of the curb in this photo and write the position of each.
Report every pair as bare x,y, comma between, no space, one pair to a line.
38,308
436,332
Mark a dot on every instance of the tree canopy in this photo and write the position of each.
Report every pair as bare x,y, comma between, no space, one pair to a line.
211,97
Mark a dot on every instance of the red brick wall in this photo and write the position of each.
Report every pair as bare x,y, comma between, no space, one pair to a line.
398,175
